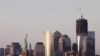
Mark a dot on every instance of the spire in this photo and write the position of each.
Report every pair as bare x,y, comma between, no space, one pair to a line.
81,12
30,46
30,50
25,42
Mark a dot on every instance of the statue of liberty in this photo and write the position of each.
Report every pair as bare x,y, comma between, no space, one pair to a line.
24,50
25,43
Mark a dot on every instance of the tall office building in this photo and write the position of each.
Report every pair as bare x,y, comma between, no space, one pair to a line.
1,51
90,44
57,43
81,26
16,48
39,49
74,49
66,44
57,35
47,42
81,33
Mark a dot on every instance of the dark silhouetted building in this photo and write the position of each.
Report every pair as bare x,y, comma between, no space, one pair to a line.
57,35
39,49
81,26
16,48
90,44
81,33
30,52
1,51
75,49
58,44
66,45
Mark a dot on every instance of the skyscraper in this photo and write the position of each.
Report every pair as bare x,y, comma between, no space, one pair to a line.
39,49
74,48
47,42
81,26
16,48
56,37
81,33
1,51
66,45
90,44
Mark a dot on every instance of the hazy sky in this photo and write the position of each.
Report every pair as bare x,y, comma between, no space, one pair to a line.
18,17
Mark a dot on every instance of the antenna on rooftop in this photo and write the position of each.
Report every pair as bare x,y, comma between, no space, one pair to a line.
81,12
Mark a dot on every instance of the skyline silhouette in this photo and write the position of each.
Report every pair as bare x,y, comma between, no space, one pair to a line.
33,17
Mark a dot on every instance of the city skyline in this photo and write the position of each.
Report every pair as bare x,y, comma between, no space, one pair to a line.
33,17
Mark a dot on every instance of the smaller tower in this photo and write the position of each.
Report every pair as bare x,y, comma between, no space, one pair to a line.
39,49
30,51
90,44
66,45
47,42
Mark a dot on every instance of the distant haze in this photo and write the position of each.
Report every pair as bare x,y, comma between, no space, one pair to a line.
18,17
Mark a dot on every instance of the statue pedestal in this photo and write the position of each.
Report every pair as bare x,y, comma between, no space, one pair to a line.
24,53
